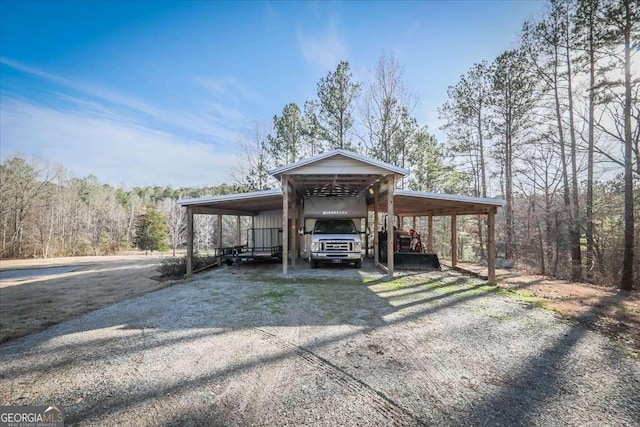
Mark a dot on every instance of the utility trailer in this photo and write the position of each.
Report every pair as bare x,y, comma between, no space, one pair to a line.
262,244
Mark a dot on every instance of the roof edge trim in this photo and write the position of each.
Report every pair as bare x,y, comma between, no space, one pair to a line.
451,197
229,197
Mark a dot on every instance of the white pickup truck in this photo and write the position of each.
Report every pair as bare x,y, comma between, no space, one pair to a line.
335,241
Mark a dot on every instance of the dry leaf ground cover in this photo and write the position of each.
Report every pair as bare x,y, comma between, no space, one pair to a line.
614,312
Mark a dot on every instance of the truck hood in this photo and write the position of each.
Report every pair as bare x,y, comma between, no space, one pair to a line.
350,237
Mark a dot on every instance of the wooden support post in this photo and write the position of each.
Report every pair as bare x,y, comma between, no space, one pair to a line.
301,239
189,241
294,230
219,236
285,225
430,236
454,240
376,221
253,232
491,247
391,180
414,222
238,231
366,235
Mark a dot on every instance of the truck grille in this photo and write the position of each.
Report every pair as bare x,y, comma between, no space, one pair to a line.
337,246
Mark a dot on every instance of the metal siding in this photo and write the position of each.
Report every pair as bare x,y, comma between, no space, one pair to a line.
267,219
339,165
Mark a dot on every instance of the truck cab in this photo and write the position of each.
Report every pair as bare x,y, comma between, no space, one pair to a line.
335,241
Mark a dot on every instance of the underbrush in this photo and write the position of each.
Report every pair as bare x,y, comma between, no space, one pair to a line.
176,267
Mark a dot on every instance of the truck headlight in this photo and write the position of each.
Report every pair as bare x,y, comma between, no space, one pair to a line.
357,246
315,246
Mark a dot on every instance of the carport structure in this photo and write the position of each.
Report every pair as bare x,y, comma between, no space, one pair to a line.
341,173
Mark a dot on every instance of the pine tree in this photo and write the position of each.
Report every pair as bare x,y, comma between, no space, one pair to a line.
337,94
151,231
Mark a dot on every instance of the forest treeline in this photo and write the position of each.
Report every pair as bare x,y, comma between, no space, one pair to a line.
47,212
552,126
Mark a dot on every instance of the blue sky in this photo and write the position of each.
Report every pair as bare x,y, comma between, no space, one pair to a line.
155,93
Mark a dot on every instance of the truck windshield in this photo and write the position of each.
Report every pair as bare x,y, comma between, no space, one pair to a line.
335,226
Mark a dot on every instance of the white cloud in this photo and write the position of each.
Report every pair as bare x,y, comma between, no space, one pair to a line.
120,138
113,150
325,49
227,86
214,123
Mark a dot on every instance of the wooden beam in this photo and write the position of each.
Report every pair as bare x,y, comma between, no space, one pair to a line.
391,179
285,224
219,236
366,235
430,236
491,248
238,232
201,210
414,222
376,221
253,232
301,239
454,241
294,229
189,241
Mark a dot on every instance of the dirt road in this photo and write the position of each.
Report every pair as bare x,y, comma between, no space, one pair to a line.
32,303
345,348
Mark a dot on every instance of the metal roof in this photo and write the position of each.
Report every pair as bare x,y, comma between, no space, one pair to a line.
236,204
406,203
410,203
450,197
229,197
345,174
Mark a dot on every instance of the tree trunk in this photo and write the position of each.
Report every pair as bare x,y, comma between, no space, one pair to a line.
483,179
576,254
626,282
563,158
592,79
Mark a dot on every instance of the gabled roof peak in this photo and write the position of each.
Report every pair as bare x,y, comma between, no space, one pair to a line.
339,152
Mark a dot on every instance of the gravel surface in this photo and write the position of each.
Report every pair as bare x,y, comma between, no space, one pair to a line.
321,347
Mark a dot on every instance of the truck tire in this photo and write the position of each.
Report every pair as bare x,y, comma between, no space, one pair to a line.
313,263
358,264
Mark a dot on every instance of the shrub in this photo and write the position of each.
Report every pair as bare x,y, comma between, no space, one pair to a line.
176,267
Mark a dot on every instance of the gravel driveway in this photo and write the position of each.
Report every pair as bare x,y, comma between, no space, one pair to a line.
334,346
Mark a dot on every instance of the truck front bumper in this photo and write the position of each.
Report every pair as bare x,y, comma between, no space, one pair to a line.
336,257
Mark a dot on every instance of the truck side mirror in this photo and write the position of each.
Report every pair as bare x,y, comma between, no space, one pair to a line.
301,231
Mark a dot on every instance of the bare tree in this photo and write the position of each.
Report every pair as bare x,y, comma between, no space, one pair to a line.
176,222
252,172
387,103
623,17
22,182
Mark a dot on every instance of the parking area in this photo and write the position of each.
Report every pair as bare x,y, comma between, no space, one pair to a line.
332,346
